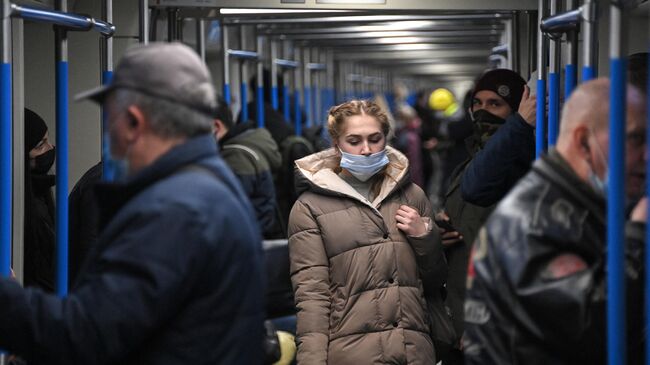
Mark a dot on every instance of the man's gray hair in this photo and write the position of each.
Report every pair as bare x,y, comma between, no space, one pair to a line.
168,119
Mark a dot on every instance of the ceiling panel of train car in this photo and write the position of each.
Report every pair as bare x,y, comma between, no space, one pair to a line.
390,5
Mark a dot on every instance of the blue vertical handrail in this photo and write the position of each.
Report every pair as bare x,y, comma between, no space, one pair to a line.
540,132
107,170
62,178
259,102
5,169
244,101
275,101
616,335
226,94
553,107
308,104
570,80
297,118
286,103
588,73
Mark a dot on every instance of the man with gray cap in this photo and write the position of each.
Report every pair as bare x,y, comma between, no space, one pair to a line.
176,277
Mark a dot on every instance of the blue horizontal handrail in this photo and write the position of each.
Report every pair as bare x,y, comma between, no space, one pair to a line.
562,23
287,63
243,54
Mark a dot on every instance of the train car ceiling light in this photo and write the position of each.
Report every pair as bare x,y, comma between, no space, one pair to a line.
253,11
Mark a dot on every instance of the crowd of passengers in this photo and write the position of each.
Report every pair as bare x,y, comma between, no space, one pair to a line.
414,236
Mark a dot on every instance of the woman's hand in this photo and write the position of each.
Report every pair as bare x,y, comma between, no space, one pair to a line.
410,222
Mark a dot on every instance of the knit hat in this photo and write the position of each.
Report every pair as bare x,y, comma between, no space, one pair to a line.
505,83
35,129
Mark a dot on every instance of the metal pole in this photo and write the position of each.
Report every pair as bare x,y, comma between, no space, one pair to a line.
540,145
172,24
570,75
275,103
616,335
513,51
509,41
589,26
553,84
297,119
243,71
144,21
225,62
107,75
530,18
286,97
307,86
329,102
316,87
61,157
5,146
259,97
200,38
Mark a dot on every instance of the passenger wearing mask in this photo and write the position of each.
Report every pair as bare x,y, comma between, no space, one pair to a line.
39,236
363,249
634,159
501,150
252,154
537,277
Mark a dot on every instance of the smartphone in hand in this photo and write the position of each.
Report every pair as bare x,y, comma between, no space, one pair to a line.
444,224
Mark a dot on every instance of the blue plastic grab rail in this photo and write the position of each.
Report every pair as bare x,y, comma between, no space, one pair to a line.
286,103
107,170
562,23
61,178
588,73
553,107
540,133
616,336
5,169
297,117
275,102
309,121
570,80
226,93
244,101
259,102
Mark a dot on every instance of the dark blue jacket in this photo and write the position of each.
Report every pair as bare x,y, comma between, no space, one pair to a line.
175,278
505,158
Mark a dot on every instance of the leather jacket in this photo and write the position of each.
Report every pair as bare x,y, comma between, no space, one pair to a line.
536,281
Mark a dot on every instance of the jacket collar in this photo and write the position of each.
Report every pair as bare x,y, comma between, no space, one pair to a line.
554,167
318,172
112,196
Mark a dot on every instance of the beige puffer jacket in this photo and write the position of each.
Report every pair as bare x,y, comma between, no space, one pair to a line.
355,274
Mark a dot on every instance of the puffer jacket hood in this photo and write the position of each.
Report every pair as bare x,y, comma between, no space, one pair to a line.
261,141
359,281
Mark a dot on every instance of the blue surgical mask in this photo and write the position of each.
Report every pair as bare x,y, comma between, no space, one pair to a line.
115,169
364,167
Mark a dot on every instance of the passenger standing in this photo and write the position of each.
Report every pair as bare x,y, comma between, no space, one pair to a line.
176,276
502,150
357,236
252,155
39,235
536,285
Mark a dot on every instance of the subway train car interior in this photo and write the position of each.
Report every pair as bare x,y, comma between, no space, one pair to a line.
283,66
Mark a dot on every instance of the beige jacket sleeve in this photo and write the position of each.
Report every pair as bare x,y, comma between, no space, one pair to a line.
310,280
428,248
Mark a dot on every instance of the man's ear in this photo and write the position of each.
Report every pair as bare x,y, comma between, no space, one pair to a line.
137,122
218,128
581,141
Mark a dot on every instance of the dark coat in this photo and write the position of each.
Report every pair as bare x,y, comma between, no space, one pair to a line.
475,188
175,278
537,278
253,156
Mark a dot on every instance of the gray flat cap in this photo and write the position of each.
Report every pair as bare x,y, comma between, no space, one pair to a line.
170,71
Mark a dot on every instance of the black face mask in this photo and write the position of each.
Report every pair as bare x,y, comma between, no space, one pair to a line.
486,124
44,162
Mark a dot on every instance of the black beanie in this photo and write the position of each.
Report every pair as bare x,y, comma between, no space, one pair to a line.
505,83
35,129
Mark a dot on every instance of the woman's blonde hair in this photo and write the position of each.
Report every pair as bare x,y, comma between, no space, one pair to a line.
339,114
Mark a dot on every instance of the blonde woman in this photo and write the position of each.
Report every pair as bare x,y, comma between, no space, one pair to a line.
361,245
